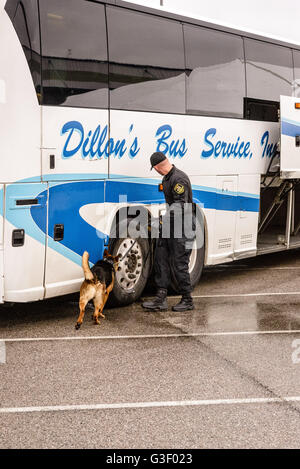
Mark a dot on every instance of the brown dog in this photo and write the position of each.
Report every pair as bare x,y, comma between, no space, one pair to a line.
98,283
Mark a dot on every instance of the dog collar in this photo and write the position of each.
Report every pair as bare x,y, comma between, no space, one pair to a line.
109,261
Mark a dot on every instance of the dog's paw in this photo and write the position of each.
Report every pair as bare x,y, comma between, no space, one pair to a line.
77,326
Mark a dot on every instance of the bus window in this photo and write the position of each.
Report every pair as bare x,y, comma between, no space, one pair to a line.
261,110
269,70
74,50
296,55
24,16
146,62
216,72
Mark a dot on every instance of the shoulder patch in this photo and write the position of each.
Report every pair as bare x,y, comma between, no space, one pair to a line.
179,188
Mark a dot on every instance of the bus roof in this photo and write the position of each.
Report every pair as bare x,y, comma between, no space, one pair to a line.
161,11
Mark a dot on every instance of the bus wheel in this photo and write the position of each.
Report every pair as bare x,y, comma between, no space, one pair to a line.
133,272
195,268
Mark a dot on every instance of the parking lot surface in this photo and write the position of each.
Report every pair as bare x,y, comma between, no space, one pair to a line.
226,375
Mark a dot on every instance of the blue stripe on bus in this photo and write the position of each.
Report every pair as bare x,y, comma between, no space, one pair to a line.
135,191
138,180
76,177
148,193
290,128
66,199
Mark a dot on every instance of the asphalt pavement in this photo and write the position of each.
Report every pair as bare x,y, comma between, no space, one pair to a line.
226,375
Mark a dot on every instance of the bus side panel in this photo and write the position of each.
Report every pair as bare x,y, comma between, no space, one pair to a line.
144,133
24,241
1,243
199,146
20,132
74,143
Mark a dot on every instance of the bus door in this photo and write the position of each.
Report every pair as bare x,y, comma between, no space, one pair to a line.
24,241
290,137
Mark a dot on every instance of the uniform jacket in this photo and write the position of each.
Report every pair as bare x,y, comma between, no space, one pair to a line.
177,187
179,198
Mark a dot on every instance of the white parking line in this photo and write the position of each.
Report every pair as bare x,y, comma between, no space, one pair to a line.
149,336
243,295
233,267
2,352
142,405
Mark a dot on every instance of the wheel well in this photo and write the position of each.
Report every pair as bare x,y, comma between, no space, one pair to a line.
136,208
123,214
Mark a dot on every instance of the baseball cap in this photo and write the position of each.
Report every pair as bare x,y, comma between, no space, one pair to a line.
157,158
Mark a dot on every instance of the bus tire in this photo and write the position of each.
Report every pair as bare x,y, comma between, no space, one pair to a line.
133,272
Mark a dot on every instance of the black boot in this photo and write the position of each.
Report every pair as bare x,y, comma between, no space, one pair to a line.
185,304
159,303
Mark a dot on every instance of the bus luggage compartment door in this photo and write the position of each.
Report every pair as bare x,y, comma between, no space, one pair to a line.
290,137
74,211
24,241
225,218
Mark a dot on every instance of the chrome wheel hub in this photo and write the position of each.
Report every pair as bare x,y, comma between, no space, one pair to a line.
130,268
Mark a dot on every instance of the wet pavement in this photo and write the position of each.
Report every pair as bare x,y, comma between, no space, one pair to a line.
226,375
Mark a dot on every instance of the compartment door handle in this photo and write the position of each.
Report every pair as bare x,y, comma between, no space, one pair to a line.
58,232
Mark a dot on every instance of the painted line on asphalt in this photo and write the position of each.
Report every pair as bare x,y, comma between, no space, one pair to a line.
148,336
2,352
232,267
143,405
243,295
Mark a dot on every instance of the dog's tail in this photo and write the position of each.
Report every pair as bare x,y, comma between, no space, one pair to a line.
86,268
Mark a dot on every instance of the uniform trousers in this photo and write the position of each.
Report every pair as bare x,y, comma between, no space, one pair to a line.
174,251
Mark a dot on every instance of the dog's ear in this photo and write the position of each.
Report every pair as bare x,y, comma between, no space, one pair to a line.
105,254
117,258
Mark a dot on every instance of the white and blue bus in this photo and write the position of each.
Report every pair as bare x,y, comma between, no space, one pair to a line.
89,90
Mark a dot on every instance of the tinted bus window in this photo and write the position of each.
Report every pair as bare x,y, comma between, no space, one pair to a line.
74,49
146,62
24,16
296,55
269,70
216,75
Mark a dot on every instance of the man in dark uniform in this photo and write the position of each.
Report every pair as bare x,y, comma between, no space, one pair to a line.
175,247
